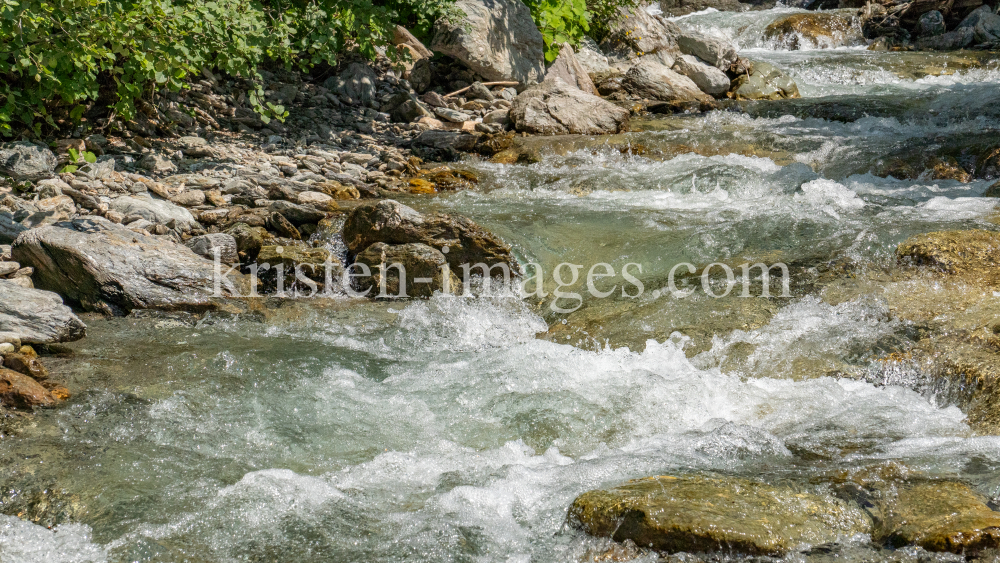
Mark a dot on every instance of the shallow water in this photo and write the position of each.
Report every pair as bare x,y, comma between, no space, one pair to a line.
460,429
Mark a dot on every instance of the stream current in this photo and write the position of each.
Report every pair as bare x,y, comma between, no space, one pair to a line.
461,429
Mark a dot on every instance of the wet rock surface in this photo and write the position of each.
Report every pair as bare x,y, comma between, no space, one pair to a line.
701,514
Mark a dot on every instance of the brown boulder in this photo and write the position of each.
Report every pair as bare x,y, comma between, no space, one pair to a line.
19,390
26,364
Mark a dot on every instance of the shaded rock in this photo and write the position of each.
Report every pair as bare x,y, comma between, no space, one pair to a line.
206,245
590,56
931,24
422,266
391,222
36,316
24,161
709,79
939,516
155,211
108,268
957,39
249,240
557,108
356,82
297,214
19,390
675,8
452,115
299,261
765,83
28,365
716,52
984,23
974,254
497,39
992,191
700,514
637,33
570,71
282,226
479,92
814,29
653,81
608,82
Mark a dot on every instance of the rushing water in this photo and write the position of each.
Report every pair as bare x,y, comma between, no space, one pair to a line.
448,430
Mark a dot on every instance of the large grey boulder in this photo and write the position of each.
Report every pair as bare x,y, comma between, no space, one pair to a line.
636,33
567,68
392,222
714,51
984,23
497,39
24,161
765,83
108,268
654,81
556,108
708,78
36,316
155,211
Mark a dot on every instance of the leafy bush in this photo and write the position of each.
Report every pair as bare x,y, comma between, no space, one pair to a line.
560,21
605,12
60,58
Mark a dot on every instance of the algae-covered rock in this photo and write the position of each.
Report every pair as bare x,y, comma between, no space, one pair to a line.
765,83
972,254
697,514
939,516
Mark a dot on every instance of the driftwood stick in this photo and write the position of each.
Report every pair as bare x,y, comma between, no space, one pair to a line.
501,83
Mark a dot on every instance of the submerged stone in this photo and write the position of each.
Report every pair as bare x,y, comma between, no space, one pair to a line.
697,514
939,516
972,254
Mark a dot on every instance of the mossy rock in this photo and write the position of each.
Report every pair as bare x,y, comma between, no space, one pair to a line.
973,254
939,516
705,514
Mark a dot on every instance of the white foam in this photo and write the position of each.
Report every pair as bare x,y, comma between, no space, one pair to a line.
24,542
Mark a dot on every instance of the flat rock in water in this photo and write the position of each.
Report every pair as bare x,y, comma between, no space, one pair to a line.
391,222
654,81
36,316
974,254
556,108
765,83
110,269
497,39
702,514
939,516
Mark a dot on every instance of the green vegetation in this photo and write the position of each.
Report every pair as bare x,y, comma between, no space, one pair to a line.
567,21
59,59
66,61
